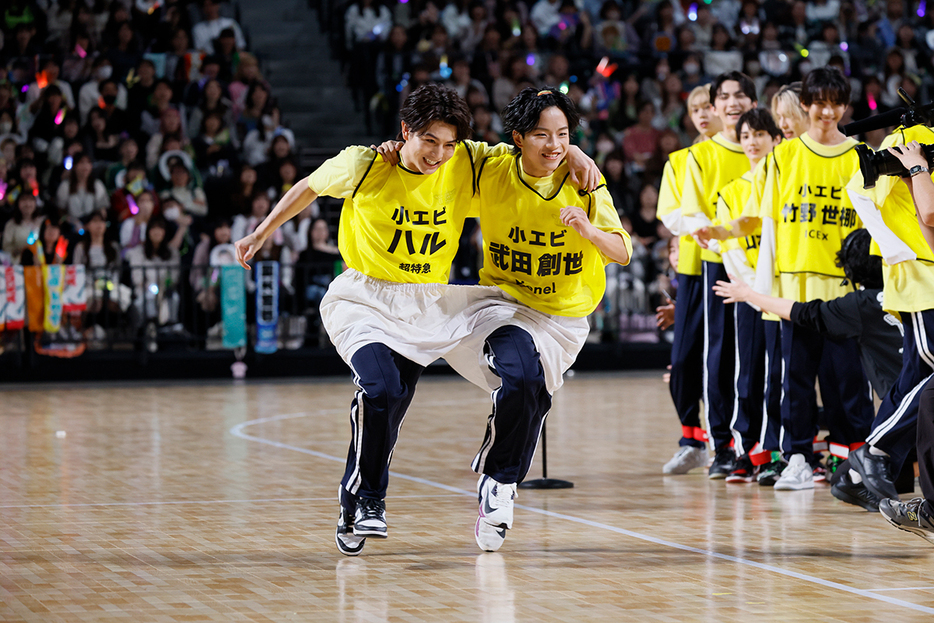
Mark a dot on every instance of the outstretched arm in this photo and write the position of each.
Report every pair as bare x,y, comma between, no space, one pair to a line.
294,201
736,291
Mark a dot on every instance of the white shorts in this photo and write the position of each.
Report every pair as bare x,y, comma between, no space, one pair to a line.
425,322
421,322
558,340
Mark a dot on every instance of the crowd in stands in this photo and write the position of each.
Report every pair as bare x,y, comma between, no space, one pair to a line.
155,115
136,134
629,66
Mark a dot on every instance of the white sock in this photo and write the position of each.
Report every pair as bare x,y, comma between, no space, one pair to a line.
855,477
877,452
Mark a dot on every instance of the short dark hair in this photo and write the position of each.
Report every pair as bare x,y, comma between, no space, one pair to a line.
825,83
433,102
746,85
759,119
523,112
857,264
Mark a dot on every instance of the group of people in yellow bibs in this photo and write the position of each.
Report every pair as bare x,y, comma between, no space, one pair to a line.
549,227
788,293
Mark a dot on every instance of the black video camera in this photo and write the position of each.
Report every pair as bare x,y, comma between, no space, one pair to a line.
872,164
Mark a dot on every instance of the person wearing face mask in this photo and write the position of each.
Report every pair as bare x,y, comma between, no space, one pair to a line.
392,312
89,96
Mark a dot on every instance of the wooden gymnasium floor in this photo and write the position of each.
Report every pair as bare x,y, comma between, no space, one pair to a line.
216,502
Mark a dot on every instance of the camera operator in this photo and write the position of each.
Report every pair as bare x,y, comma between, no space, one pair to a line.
917,515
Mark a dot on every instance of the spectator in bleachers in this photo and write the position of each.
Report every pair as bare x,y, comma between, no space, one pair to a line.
187,192
22,228
52,248
26,180
212,23
78,59
170,127
247,74
141,90
124,199
49,75
225,51
89,96
154,270
280,149
241,196
133,229
203,278
392,64
244,224
80,193
640,141
158,102
215,150
115,173
318,260
21,49
257,105
48,113
100,142
723,55
125,53
100,255
212,100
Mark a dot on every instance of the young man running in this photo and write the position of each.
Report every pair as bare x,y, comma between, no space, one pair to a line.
545,247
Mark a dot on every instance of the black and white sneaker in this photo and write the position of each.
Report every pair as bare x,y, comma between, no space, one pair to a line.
724,462
348,543
370,518
913,516
845,490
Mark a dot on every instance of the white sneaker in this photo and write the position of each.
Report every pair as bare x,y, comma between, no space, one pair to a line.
798,475
686,459
496,501
489,538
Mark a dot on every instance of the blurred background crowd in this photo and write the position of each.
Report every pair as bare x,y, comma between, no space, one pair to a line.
139,137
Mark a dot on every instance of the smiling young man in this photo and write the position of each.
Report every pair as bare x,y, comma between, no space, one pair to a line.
709,167
806,213
546,244
687,349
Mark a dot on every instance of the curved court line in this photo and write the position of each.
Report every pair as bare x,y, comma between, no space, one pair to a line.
237,431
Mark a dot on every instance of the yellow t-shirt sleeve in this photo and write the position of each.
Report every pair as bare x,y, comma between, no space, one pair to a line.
770,198
339,176
480,150
669,195
692,189
606,218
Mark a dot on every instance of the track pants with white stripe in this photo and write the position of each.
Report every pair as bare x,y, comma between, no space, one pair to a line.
719,359
925,441
520,405
748,418
895,426
687,358
385,387
802,351
773,385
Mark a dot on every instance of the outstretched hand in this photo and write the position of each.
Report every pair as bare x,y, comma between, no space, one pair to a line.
246,248
665,316
733,291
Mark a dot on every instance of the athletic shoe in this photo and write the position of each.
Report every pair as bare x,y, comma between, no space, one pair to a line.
496,501
819,473
686,459
833,463
845,490
370,518
496,509
912,516
489,538
771,471
876,472
743,472
348,543
724,462
798,475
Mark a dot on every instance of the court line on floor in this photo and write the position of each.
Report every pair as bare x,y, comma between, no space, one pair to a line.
175,502
237,431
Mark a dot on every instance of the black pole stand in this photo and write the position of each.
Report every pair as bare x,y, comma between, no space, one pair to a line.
545,482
